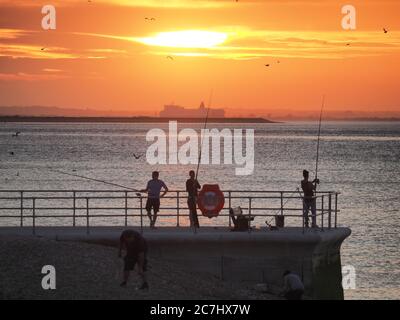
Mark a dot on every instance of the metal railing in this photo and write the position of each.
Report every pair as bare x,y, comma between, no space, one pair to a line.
83,207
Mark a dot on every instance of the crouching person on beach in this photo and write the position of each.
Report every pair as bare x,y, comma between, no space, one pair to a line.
136,250
293,286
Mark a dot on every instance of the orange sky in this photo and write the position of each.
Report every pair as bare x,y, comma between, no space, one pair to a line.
105,55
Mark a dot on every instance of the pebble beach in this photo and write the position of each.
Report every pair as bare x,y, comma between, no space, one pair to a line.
92,271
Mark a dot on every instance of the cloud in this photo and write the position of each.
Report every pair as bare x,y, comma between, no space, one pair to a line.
246,43
17,51
21,76
51,70
130,3
12,33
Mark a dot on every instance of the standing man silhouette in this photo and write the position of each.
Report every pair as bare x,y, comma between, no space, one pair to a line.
192,187
153,189
309,201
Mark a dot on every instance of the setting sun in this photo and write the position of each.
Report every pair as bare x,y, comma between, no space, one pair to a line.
185,39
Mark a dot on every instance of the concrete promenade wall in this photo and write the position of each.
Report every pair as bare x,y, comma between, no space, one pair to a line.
259,256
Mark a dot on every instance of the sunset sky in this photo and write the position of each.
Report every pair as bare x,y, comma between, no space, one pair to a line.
110,55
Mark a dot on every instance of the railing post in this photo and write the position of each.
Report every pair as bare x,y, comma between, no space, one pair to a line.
322,213
336,202
87,215
141,214
177,211
22,209
34,216
249,214
281,202
74,210
230,206
329,210
126,208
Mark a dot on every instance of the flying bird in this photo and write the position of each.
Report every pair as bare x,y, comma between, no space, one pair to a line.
170,57
385,30
137,157
150,19
16,134
267,65
43,49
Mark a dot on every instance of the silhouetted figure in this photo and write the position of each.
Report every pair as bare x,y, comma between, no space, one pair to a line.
136,254
192,187
153,189
240,221
293,288
309,201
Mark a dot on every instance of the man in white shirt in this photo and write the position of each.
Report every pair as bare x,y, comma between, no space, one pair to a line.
293,286
153,189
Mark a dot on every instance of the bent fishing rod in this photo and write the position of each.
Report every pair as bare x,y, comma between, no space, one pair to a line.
92,179
318,140
202,139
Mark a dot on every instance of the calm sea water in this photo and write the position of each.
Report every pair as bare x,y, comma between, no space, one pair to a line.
361,160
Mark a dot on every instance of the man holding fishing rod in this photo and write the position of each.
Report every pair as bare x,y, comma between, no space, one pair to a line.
153,189
192,187
310,188
309,201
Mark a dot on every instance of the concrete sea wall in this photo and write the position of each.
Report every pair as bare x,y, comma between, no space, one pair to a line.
260,256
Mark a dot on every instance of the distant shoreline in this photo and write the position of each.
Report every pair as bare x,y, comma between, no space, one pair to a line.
129,119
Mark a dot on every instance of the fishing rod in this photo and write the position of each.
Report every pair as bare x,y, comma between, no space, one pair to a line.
268,222
319,138
92,179
202,139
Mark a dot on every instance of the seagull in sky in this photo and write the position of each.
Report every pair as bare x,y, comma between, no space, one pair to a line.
385,30
137,157
170,57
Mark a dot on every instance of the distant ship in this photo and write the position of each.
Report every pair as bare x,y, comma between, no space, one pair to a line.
175,111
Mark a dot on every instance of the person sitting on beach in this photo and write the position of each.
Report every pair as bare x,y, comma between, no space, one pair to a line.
153,189
136,251
192,187
293,288
309,201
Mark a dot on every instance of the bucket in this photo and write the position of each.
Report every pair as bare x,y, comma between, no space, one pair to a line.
280,221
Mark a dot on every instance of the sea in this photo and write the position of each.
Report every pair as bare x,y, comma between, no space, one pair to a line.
361,160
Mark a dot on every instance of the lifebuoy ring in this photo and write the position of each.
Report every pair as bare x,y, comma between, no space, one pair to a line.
211,200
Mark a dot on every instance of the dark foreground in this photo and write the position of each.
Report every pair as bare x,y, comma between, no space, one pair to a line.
89,271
